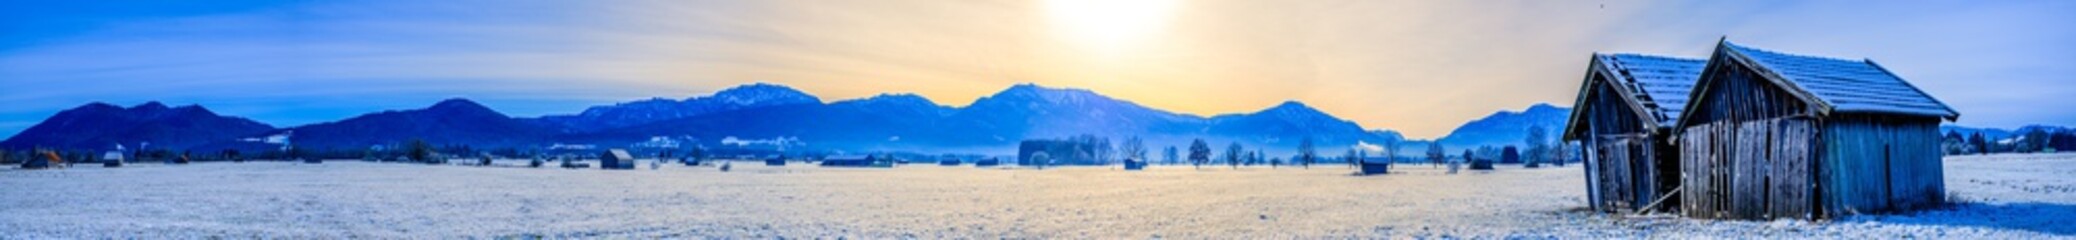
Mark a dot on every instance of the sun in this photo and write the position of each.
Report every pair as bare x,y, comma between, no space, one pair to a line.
1108,25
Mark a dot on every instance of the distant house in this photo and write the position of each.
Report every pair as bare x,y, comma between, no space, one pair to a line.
616,159
1475,162
988,162
112,159
1375,166
1623,118
857,161
1775,135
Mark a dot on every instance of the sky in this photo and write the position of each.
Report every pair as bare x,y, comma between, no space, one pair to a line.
1419,67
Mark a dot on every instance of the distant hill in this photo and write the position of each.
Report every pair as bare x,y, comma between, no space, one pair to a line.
453,121
101,126
1991,133
1031,111
656,109
1507,127
909,122
843,124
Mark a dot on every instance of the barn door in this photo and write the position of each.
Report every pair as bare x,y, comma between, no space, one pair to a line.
1643,176
1614,173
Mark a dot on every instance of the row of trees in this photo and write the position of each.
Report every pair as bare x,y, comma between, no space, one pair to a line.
2035,140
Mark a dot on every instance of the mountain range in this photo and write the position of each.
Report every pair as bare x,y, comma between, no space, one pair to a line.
1508,127
152,124
773,114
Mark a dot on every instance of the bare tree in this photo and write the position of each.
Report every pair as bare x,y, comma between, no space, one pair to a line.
1435,154
1391,145
1306,154
1134,149
1199,153
1538,145
1232,155
1351,157
1169,156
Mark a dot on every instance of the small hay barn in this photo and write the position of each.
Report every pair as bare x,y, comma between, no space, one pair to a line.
1625,112
616,159
1774,135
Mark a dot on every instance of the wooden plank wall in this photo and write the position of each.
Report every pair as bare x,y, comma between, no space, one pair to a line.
1615,180
1792,150
1745,151
1630,177
1881,164
1698,163
1618,140
1748,170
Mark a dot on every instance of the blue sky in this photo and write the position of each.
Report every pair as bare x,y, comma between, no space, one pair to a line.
1421,67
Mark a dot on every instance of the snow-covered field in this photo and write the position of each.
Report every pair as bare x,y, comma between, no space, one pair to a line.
2001,197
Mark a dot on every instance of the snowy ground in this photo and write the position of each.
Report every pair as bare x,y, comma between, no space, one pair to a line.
2002,197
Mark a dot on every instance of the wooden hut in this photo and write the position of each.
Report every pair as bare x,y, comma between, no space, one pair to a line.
1475,162
616,159
112,159
1375,167
1623,119
1774,135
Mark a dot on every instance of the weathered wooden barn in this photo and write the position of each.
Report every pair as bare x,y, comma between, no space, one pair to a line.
1626,107
615,159
1774,135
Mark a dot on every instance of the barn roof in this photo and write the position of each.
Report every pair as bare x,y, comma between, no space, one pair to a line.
1843,85
1656,85
1660,84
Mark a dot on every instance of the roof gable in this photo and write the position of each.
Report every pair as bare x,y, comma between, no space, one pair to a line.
1659,85
1656,87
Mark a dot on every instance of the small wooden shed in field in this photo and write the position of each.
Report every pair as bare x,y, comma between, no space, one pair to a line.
615,159
1774,135
1623,119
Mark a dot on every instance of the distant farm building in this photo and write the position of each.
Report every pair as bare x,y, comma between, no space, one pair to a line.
615,159
112,159
1623,119
988,162
1375,166
1774,135
857,161
1475,162
1056,152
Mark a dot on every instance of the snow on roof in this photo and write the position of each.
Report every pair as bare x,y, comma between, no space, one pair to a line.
1847,85
1662,83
